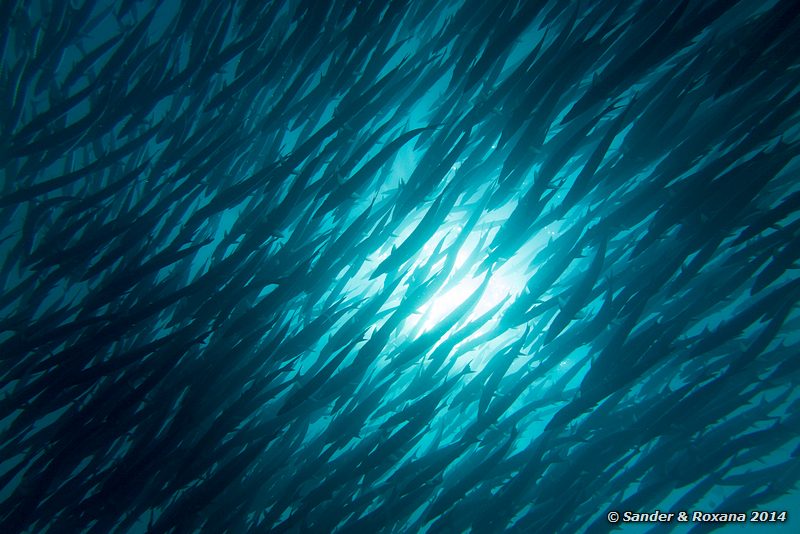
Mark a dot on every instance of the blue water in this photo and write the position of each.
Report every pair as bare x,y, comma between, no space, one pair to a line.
397,267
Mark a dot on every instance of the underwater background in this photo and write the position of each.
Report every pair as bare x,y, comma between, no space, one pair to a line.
399,266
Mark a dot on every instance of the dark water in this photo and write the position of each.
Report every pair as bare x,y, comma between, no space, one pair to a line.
398,266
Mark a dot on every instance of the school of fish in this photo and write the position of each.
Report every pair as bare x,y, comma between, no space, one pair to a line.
368,266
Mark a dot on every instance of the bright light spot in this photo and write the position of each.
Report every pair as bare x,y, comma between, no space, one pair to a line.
454,294
464,258
461,257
